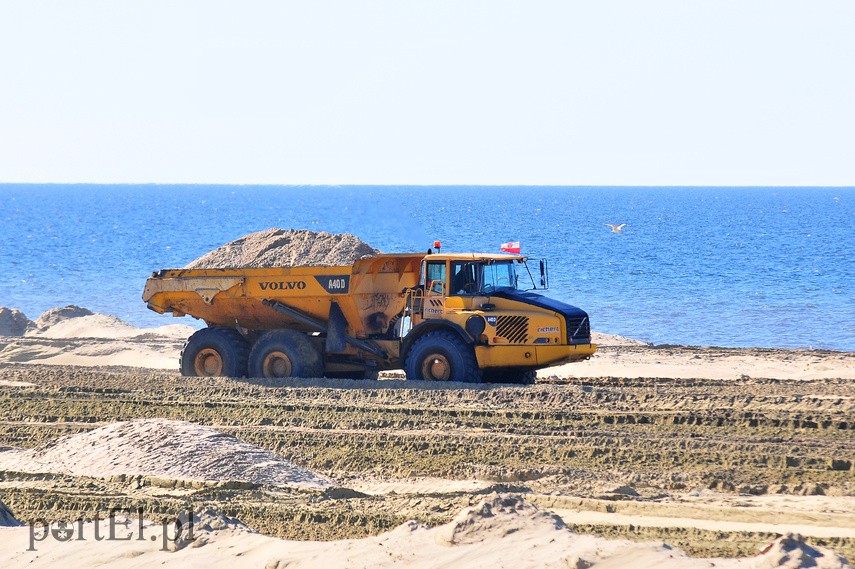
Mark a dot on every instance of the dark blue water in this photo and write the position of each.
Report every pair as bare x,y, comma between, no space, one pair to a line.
770,267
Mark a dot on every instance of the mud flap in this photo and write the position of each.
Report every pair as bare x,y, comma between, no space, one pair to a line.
336,330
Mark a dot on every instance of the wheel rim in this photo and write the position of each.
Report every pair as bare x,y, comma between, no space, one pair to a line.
277,364
435,367
208,363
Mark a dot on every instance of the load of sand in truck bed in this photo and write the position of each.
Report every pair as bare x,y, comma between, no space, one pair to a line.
286,248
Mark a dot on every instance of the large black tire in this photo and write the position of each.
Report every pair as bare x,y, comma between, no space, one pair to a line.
442,356
212,352
285,353
510,375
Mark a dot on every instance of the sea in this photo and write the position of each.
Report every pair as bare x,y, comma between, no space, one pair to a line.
710,266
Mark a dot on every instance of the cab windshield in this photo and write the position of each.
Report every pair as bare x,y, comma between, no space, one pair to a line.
482,277
501,274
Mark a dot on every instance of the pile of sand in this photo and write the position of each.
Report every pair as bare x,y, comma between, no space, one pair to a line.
13,322
501,515
72,335
56,315
601,339
74,321
791,551
164,448
77,322
286,248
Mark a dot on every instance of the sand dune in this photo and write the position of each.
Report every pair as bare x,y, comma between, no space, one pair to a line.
164,448
108,327
76,336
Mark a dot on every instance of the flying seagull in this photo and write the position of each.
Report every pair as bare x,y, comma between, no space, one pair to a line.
616,228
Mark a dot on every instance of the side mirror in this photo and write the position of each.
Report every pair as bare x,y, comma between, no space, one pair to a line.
544,279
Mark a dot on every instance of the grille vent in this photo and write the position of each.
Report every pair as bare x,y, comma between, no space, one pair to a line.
579,330
514,328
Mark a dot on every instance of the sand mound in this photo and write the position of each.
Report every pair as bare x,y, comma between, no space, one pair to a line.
83,323
86,325
13,322
163,448
497,516
56,315
207,523
614,340
286,248
6,517
76,336
208,519
791,551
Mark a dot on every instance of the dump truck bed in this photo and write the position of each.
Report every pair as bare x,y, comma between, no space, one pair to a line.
368,293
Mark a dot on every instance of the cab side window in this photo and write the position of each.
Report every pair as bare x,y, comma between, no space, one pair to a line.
436,272
462,278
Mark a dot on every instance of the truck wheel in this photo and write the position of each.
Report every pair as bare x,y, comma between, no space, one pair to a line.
214,352
285,353
511,375
442,356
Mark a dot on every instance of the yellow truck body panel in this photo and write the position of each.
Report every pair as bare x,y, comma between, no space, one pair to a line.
368,292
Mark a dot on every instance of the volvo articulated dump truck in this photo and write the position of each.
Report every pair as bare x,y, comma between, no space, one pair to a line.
445,317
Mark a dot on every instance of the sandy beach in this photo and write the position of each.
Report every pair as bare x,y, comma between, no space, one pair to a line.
644,456
434,285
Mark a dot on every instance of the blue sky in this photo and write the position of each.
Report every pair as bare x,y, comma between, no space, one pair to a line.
397,92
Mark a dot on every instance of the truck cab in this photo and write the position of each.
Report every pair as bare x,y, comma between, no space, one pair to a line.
489,301
470,275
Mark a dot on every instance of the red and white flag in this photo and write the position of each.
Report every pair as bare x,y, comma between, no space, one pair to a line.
511,247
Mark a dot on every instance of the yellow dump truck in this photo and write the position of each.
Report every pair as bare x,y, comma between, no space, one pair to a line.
446,317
